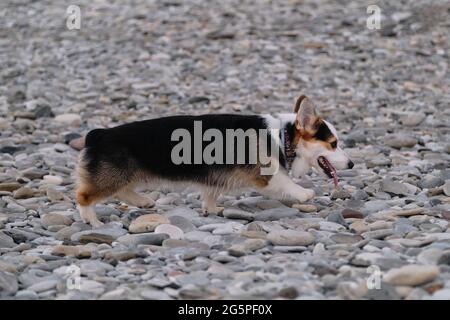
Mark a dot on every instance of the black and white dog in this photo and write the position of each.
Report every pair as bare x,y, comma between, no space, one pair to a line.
116,161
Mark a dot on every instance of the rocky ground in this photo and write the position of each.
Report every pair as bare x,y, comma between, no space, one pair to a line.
387,92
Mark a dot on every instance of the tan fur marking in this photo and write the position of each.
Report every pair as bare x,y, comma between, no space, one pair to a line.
308,137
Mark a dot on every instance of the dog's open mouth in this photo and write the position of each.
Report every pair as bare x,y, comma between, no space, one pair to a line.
328,168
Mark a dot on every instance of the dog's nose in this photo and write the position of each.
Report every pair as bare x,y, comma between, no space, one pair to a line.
350,164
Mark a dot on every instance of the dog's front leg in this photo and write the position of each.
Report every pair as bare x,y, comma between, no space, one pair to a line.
281,185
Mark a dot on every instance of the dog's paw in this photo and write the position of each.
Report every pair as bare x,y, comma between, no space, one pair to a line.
214,210
305,195
96,223
146,203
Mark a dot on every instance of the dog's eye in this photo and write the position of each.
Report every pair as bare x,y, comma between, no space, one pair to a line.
334,144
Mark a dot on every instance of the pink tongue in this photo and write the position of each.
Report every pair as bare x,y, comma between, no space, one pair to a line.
333,173
335,178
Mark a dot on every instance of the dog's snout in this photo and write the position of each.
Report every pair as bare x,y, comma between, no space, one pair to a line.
350,164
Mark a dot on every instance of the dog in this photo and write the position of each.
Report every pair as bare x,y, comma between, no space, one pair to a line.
115,161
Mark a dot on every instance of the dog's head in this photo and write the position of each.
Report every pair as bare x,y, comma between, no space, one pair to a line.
317,143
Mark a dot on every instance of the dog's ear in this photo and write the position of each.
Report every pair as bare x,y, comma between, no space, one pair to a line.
306,114
299,101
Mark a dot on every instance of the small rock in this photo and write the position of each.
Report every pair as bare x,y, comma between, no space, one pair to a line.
254,234
116,294
351,290
10,149
9,186
78,143
172,231
56,180
51,219
275,214
154,295
173,243
360,195
119,255
431,182
412,119
23,193
234,213
247,246
8,283
401,16
43,285
26,295
71,119
66,232
62,250
345,238
394,187
94,267
33,173
446,188
331,226
101,235
290,238
430,256
133,240
288,293
147,223
350,213
399,140
444,258
43,111
359,226
340,194
337,218
182,223
411,275
305,207
198,99
6,241
54,195
7,267
71,136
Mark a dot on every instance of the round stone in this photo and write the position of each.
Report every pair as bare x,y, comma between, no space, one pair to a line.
290,238
69,119
411,275
51,219
172,231
146,223
305,207
50,179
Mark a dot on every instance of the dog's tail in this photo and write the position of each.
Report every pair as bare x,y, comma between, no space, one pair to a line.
87,140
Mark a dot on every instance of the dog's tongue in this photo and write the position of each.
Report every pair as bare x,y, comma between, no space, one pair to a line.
335,177
333,173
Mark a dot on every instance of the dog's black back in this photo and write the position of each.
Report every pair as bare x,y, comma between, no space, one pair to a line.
147,145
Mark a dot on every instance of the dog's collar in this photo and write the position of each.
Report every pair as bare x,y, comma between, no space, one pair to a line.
289,151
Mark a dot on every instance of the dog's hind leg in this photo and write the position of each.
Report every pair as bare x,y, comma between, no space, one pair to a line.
209,204
96,185
86,199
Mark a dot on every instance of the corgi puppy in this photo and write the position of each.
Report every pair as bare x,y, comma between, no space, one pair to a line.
216,152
